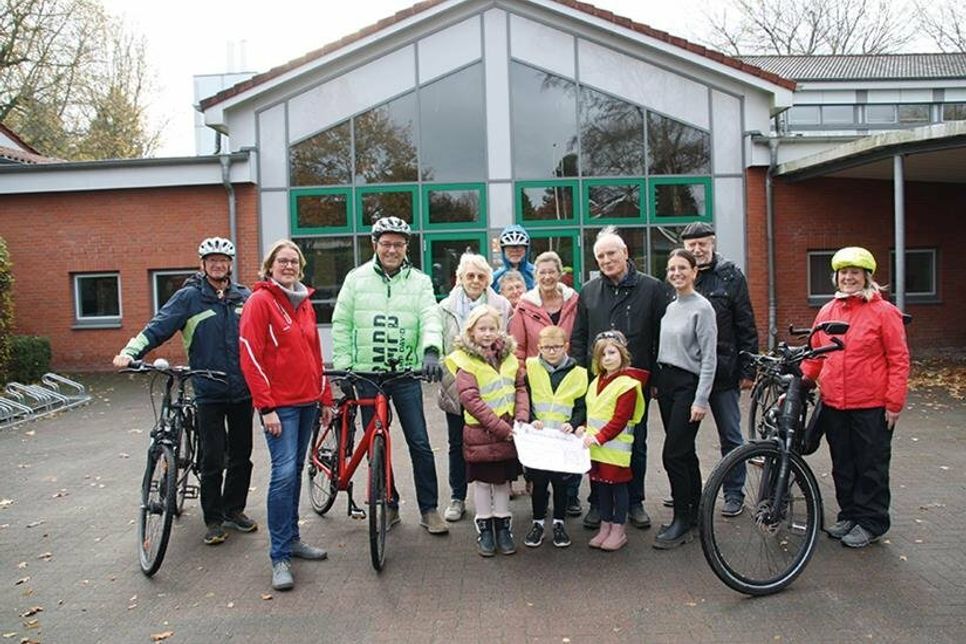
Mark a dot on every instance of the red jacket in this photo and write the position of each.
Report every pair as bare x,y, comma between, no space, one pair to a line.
281,357
626,402
873,369
530,317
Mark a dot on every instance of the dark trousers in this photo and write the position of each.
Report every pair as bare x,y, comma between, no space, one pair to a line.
677,389
861,446
217,503
612,499
540,495
457,464
635,488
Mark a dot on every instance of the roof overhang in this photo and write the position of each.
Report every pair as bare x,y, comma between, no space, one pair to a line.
932,153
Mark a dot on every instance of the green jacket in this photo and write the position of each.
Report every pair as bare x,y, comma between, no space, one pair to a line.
378,318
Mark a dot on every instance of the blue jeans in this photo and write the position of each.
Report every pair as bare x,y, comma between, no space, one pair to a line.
407,399
457,464
727,416
287,451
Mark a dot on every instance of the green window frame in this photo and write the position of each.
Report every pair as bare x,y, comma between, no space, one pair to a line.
427,248
427,188
362,191
655,183
588,184
296,193
520,186
574,235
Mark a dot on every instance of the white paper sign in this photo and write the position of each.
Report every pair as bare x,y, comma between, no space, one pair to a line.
550,449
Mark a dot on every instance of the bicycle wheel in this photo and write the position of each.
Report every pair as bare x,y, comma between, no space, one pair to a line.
762,550
157,507
764,396
186,456
322,480
378,501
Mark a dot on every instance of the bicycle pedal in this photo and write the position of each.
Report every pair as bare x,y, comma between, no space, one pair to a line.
357,514
192,492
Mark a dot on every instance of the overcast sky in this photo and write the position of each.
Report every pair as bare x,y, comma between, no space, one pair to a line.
189,37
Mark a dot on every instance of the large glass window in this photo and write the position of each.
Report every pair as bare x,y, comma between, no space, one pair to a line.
562,242
613,200
880,114
913,114
611,136
664,239
323,159
676,148
680,199
321,210
544,124
97,299
804,115
451,127
954,112
820,284
385,140
920,282
375,203
443,256
167,283
635,238
445,205
838,114
546,202
327,261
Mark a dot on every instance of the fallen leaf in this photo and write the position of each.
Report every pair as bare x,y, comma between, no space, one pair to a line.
157,637
7,636
60,494
266,596
944,467
5,502
29,433
918,541
903,558
33,610
32,623
231,604
34,524
22,565
22,580
46,556
124,455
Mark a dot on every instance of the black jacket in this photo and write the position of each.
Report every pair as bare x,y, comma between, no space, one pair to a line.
724,285
634,307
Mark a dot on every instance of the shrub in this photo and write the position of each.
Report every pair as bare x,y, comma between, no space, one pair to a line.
6,308
29,358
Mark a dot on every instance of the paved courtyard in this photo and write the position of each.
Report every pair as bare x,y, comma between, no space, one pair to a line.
69,490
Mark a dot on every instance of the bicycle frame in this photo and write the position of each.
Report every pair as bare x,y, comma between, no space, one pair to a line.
378,425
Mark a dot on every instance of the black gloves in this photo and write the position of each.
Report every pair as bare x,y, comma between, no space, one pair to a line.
432,369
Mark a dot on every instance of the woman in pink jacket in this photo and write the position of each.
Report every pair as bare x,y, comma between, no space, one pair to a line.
863,391
550,302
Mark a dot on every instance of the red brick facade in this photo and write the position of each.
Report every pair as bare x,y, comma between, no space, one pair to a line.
54,235
826,214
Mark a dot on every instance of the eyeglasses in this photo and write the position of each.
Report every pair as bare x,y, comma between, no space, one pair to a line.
391,245
475,276
286,262
552,347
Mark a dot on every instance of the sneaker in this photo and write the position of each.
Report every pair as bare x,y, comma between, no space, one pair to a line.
638,516
240,521
840,529
592,518
215,534
859,537
560,537
455,510
732,508
305,551
668,502
282,575
535,537
573,508
433,523
392,518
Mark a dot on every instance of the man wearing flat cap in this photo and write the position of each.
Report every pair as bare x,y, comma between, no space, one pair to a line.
724,285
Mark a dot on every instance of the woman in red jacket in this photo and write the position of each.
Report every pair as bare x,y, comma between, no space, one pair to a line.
549,303
281,360
863,391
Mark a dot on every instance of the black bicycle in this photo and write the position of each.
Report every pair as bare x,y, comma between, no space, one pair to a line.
768,388
173,457
764,548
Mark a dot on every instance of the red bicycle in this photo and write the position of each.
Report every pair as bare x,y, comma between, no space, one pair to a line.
334,459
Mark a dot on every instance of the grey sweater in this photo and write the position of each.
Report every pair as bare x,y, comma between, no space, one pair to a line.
689,341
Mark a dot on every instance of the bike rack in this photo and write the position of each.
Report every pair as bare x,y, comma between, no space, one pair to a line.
76,393
22,403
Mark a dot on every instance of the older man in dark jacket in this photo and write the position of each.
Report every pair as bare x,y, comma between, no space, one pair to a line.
623,299
724,285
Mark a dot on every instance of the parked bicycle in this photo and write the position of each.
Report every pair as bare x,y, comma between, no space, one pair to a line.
768,388
174,457
335,458
763,549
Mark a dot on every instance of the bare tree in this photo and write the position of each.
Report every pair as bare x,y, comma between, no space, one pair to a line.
945,23
808,27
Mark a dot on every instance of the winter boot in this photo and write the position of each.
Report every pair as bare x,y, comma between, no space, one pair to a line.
486,541
677,533
504,537
616,538
599,538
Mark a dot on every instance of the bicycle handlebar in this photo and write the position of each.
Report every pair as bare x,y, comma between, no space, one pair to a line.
378,378
179,372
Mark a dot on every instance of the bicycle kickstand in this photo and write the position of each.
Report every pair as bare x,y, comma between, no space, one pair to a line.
354,511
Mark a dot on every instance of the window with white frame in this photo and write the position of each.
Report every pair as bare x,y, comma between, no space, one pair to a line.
97,299
165,283
820,286
921,274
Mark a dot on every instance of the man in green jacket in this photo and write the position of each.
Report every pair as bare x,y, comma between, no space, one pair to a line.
386,319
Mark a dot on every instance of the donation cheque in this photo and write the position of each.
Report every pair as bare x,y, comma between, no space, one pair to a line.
550,449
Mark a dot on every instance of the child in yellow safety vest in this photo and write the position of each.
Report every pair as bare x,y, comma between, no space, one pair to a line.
493,392
557,386
615,404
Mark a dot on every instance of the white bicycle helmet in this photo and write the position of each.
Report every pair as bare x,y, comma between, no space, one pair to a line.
514,235
216,246
390,225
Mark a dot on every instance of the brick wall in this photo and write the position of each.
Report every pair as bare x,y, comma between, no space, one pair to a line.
826,214
52,236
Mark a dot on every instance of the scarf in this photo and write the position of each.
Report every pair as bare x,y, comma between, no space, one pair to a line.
295,295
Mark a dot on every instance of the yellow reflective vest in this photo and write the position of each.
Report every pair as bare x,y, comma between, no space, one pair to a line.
600,411
497,389
554,408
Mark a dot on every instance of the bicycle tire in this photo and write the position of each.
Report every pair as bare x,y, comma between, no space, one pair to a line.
764,396
753,553
157,507
323,486
378,502
186,455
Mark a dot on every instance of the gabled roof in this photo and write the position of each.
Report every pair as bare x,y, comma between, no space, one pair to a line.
13,155
13,136
399,16
863,67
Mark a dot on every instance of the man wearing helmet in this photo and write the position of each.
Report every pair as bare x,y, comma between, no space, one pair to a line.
515,251
206,310
386,319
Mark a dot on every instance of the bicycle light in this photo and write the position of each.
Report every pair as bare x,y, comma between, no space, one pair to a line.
161,363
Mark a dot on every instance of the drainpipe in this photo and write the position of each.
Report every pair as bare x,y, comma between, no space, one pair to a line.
899,279
770,234
225,161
